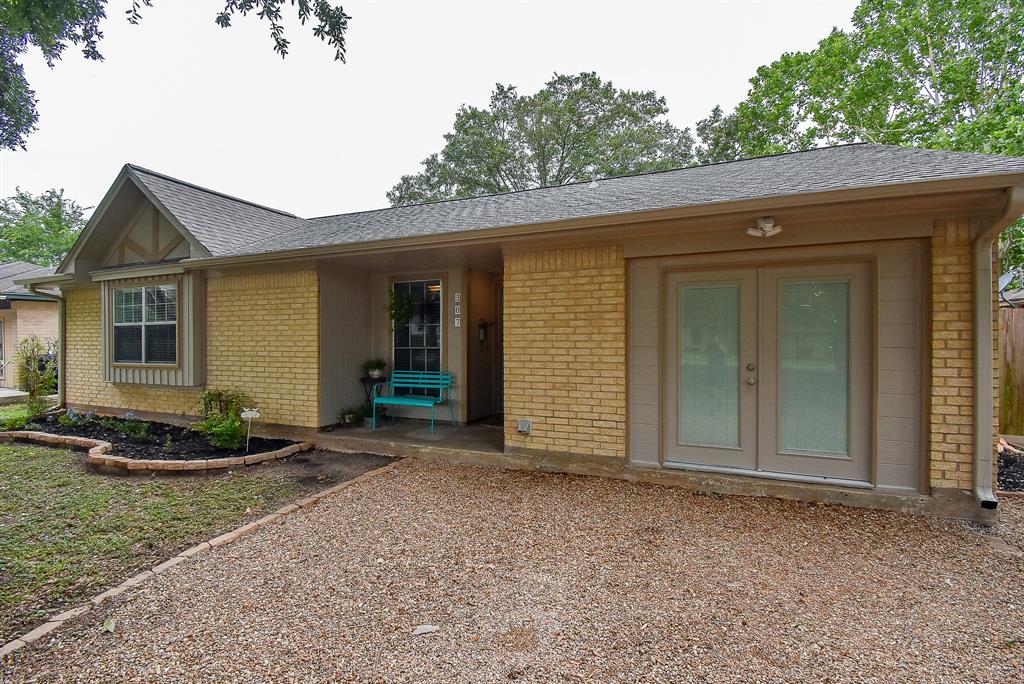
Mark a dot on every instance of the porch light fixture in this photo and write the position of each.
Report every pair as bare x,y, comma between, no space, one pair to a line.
765,228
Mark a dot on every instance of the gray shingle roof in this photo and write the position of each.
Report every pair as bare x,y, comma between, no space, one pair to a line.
17,270
223,224
230,226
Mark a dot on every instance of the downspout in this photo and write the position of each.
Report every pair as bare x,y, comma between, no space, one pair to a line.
983,368
61,330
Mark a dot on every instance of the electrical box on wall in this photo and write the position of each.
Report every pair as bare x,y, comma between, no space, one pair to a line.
524,426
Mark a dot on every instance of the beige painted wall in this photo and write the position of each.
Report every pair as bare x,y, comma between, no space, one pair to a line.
345,322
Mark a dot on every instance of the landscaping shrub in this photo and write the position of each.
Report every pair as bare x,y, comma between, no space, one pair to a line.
221,417
73,418
129,426
35,372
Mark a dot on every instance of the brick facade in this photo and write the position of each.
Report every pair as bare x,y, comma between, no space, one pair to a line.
565,350
951,453
262,338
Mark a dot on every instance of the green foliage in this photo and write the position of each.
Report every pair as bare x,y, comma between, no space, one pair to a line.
129,426
223,433
76,419
39,229
574,129
931,73
400,308
221,418
943,74
374,365
35,369
52,25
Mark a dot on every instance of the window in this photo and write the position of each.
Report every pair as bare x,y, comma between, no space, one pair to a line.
417,344
3,365
146,324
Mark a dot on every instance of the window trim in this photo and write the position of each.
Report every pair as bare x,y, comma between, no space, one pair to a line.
176,282
3,350
443,328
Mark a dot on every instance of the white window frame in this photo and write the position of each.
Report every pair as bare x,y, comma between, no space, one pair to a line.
145,325
442,319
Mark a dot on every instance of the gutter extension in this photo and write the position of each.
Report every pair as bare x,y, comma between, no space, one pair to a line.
983,338
61,330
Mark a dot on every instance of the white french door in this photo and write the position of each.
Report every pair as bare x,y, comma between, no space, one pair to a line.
769,370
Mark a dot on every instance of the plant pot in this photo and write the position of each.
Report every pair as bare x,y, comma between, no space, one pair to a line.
377,373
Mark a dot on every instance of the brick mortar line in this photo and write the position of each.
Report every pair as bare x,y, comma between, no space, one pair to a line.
228,537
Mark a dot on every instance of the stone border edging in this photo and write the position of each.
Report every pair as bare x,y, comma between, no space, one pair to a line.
226,538
99,453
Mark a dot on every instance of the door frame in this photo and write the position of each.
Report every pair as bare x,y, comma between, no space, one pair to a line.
693,266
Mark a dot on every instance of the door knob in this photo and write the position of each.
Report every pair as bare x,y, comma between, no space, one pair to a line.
751,367
751,380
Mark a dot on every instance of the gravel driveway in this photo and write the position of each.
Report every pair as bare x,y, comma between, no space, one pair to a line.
534,577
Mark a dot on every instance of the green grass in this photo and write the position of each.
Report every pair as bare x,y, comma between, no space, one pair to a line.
11,411
67,533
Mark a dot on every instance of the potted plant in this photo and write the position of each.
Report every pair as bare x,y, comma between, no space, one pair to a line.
375,367
347,417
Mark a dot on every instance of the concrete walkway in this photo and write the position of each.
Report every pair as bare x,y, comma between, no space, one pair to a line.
11,396
432,572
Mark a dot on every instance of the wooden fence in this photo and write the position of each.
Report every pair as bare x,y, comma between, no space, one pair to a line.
1011,393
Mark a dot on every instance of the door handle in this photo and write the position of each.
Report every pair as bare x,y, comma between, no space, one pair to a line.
752,380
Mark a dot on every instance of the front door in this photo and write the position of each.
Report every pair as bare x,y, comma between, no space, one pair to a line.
769,370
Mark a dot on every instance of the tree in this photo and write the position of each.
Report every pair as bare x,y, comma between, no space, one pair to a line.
39,229
51,25
944,74
574,128
930,73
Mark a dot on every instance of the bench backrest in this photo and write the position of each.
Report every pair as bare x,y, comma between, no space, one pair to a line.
428,380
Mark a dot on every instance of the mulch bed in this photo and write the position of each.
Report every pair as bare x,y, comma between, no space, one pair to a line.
1011,472
164,442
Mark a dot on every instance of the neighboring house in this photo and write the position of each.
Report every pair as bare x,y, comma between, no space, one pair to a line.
654,326
22,314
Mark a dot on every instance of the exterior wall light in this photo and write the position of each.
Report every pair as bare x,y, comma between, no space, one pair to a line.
765,228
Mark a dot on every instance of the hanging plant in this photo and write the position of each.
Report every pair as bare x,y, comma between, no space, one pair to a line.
400,308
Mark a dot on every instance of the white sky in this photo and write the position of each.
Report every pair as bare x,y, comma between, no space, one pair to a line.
219,108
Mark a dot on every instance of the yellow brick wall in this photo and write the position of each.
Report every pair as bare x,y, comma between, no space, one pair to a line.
262,338
565,350
36,318
952,363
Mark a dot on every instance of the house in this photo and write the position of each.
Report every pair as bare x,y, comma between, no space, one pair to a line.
814,325
22,314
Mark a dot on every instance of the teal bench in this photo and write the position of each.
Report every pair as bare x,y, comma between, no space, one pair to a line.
434,381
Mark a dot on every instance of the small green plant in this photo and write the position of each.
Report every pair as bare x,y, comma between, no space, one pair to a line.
169,445
221,417
374,366
75,419
129,426
16,422
400,308
35,371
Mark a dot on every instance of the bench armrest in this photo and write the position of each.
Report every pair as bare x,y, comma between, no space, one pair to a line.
376,394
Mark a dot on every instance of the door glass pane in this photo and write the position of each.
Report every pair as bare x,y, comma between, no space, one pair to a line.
709,340
814,360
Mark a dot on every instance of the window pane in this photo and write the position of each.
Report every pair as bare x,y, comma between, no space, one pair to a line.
128,305
417,345
128,344
161,343
161,303
814,366
709,340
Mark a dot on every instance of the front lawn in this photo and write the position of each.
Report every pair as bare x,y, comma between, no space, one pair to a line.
67,533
